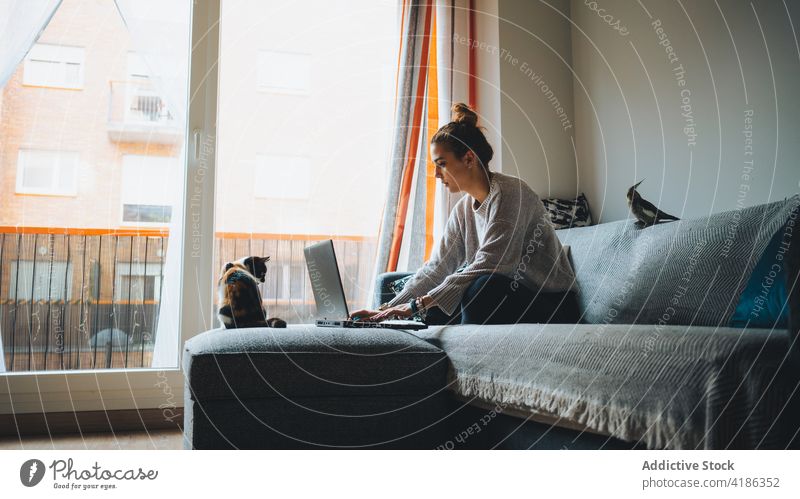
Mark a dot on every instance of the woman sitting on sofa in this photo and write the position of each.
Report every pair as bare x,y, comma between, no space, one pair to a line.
499,260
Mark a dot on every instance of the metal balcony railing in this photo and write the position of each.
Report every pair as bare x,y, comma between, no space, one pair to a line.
90,298
137,113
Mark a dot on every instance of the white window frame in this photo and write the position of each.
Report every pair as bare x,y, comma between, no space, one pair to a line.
53,190
138,269
117,389
54,54
124,201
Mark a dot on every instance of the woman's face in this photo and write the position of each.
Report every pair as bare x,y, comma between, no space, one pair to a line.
455,173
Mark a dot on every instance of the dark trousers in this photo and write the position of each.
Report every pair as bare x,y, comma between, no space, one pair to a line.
491,299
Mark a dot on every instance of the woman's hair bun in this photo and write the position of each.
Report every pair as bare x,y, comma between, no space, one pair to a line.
463,135
462,113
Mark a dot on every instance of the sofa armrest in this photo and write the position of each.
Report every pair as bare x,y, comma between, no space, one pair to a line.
382,291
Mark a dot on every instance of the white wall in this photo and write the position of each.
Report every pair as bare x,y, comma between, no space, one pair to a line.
488,70
535,60
627,131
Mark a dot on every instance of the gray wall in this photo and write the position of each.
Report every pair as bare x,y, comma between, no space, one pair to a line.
535,50
626,130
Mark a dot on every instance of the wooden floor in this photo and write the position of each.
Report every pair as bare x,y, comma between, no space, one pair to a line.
141,440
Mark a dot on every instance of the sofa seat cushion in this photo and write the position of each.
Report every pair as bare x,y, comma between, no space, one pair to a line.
666,387
303,360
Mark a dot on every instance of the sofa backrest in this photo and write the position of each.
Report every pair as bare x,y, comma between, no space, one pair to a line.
687,272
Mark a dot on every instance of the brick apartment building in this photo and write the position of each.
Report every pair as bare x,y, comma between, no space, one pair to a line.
78,116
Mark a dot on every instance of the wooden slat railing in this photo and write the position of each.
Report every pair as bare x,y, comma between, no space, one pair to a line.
87,298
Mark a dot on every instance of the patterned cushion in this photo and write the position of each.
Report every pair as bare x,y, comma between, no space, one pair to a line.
566,213
398,285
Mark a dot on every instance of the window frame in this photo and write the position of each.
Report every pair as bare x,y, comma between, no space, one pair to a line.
154,388
81,61
55,177
123,199
138,270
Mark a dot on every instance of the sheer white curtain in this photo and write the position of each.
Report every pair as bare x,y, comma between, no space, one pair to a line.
159,31
21,23
160,34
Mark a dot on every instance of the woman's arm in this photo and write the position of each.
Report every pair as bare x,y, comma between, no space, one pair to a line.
500,253
400,311
445,259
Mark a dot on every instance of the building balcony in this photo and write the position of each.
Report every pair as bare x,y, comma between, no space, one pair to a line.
136,113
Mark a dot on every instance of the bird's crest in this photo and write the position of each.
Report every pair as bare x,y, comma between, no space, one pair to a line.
633,189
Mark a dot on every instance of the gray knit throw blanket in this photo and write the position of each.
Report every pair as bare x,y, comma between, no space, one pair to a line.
685,272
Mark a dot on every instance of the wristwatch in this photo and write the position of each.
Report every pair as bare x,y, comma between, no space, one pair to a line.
418,309
383,306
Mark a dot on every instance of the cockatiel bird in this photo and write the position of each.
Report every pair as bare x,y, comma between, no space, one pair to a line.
644,211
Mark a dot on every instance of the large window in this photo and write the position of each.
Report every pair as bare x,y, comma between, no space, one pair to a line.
57,66
93,188
47,172
305,124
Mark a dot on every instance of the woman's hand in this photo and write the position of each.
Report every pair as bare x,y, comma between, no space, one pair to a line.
364,314
401,311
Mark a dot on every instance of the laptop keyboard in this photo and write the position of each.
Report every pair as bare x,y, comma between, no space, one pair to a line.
388,324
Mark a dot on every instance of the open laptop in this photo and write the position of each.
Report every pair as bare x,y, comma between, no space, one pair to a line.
326,283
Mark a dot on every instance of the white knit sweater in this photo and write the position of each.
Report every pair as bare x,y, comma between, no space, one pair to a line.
509,233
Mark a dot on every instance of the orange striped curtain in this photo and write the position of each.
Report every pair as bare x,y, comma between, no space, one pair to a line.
433,71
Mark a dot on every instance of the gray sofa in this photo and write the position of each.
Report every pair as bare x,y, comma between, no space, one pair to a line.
654,362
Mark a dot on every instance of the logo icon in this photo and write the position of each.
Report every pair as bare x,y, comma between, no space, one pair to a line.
31,472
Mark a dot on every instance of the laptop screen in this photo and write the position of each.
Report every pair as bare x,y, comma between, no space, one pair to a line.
326,283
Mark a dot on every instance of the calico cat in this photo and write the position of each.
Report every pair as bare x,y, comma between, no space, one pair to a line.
239,297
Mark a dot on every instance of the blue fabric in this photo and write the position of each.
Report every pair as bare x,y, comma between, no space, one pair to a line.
383,289
763,300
